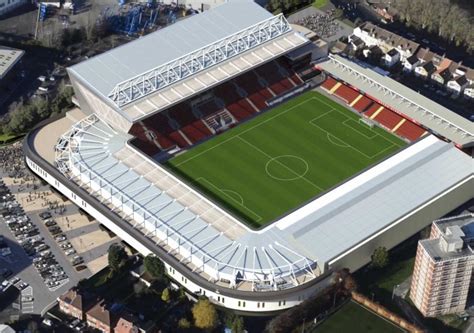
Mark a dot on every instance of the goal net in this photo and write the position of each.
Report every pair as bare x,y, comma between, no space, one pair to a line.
367,122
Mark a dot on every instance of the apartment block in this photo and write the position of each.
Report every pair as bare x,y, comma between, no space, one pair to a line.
443,267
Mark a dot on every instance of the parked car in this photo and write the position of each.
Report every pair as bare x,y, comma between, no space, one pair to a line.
60,238
23,285
50,223
45,215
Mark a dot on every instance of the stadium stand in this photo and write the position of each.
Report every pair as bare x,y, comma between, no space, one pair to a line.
329,83
391,120
346,93
387,118
410,131
362,104
189,122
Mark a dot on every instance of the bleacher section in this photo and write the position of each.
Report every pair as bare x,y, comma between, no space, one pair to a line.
389,119
362,104
192,121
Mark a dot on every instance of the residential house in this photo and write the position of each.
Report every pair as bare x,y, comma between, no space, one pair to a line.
101,318
425,70
410,63
444,73
469,91
458,84
129,323
391,57
386,40
125,326
72,303
356,43
425,57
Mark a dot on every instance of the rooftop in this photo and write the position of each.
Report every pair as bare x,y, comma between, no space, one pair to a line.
399,97
457,234
179,51
317,233
8,58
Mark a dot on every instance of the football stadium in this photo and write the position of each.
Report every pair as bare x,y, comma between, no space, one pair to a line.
254,164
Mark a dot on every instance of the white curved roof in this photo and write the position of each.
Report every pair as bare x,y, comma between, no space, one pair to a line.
284,253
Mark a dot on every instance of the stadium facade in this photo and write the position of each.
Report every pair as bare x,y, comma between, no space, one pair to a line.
91,157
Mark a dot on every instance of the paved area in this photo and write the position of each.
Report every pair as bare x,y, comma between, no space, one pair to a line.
344,29
86,237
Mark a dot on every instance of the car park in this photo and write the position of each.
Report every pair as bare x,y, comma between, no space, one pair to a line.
30,239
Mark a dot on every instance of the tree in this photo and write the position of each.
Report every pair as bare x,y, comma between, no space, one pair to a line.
116,256
184,323
204,314
154,266
165,295
380,257
238,325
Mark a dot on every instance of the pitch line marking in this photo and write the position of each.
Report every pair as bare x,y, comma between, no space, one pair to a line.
259,218
283,165
348,120
335,107
275,159
241,200
247,130
342,145
351,146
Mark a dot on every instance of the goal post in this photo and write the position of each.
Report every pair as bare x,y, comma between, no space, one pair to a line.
367,121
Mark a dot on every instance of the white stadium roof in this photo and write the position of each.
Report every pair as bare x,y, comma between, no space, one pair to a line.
286,253
399,97
221,42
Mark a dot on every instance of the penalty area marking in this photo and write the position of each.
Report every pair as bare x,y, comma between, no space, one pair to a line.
226,193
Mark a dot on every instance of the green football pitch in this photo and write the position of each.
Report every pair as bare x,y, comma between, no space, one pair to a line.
354,318
286,156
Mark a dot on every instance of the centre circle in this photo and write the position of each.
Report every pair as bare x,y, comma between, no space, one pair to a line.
286,167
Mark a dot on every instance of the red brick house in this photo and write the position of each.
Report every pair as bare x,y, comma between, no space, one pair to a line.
100,318
72,303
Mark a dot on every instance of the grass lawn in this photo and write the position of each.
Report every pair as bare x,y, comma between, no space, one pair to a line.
9,137
275,162
320,3
356,319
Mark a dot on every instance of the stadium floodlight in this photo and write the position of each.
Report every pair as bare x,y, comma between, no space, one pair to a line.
196,61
